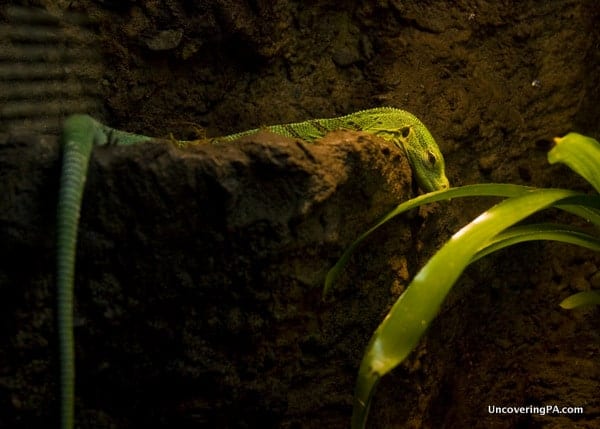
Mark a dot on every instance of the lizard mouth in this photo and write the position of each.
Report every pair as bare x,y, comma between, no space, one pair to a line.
435,184
445,183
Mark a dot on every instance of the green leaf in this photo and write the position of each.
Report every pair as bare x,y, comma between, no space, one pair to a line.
481,190
582,205
581,154
586,206
413,312
541,231
590,297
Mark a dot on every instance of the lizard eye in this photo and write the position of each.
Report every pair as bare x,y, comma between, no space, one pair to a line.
431,158
405,132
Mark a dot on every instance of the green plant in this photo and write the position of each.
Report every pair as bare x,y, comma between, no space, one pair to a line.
493,230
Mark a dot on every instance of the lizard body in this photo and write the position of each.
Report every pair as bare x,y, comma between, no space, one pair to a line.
81,132
395,125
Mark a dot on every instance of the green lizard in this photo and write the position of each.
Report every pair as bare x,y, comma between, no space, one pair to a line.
81,132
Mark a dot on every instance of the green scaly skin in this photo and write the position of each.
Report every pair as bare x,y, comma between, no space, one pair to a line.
398,126
81,132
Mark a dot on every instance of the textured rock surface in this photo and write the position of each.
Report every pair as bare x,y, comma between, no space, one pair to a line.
199,277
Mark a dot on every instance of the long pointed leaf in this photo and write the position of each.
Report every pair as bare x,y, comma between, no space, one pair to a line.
541,231
586,206
589,297
481,190
412,313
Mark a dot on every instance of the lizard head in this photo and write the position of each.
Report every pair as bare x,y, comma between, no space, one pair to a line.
424,156
407,132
